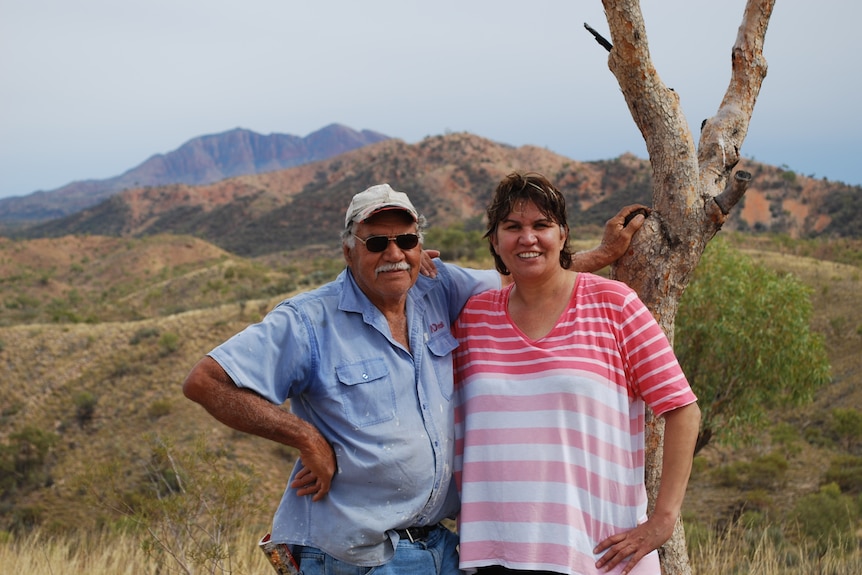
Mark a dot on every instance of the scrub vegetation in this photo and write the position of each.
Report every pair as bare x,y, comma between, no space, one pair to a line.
106,468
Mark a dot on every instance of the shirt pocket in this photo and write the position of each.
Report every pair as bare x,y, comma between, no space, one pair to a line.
367,392
440,348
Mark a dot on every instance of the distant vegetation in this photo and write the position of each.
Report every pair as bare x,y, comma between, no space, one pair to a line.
96,436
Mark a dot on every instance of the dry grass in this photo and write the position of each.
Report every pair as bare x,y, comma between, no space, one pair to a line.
39,554
739,551
732,552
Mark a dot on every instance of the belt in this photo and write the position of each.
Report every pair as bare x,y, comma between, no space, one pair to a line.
414,534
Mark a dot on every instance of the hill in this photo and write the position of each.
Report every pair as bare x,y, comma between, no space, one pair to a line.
89,378
202,160
449,178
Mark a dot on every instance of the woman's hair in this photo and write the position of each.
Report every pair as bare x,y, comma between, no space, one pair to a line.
516,188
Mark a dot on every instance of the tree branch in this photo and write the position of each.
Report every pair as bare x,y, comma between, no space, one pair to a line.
733,192
599,38
722,135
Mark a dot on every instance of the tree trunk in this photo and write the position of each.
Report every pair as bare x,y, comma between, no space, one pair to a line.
693,189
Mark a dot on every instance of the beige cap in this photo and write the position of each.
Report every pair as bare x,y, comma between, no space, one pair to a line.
376,199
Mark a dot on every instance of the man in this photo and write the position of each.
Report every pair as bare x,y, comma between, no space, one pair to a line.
366,362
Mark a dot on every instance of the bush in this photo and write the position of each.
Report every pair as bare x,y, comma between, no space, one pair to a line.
845,471
85,407
23,460
159,408
846,425
189,503
144,333
766,472
169,343
827,518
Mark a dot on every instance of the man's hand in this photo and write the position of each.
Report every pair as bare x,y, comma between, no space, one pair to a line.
620,229
426,263
615,241
318,468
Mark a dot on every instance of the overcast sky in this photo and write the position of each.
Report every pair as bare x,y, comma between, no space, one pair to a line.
92,88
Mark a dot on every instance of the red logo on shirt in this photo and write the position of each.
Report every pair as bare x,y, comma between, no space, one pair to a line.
436,326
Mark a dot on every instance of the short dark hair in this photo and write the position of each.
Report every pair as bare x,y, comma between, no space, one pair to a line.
533,187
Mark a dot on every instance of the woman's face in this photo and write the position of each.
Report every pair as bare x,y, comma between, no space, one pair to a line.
528,242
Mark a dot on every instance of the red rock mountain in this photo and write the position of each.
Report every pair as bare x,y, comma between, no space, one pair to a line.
450,179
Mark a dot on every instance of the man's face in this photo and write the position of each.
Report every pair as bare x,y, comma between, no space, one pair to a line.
384,276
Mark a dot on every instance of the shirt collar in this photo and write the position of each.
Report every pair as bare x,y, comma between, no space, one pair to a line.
354,300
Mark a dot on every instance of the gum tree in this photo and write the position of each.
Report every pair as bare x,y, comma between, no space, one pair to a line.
694,187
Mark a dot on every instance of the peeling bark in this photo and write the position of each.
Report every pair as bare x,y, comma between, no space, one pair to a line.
692,187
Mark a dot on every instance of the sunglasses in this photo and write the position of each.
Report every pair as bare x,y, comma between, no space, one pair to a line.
377,244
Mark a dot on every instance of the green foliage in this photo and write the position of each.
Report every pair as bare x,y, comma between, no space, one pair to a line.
143,334
190,507
457,242
744,341
843,207
169,343
23,460
828,518
85,407
845,471
788,438
846,424
765,472
159,408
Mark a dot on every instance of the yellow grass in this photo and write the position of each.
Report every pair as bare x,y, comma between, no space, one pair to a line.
36,554
744,551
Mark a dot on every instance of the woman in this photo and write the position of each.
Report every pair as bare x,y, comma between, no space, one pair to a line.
553,376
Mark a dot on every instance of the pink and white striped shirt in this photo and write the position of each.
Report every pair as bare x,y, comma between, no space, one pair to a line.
550,433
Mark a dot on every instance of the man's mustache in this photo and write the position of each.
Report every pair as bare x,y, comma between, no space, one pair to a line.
395,267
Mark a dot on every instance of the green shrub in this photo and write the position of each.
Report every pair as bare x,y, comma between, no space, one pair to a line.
23,459
766,472
144,333
159,408
85,407
827,518
845,471
169,343
846,426
190,505
787,436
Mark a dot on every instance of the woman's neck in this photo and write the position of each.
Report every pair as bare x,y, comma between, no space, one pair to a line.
536,307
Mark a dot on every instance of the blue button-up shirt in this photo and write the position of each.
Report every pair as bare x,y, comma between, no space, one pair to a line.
385,410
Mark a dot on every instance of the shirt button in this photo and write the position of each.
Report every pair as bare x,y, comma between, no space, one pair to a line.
364,376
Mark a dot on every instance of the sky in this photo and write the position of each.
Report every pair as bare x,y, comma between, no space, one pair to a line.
92,88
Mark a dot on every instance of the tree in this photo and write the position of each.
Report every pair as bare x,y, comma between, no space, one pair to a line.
745,343
694,189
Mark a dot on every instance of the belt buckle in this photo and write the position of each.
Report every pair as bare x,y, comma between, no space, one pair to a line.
410,535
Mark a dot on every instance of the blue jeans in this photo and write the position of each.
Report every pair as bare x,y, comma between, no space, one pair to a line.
437,554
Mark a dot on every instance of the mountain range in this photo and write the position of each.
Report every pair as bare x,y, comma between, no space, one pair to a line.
228,190
202,160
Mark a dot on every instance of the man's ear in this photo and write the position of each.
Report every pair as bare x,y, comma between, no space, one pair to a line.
346,252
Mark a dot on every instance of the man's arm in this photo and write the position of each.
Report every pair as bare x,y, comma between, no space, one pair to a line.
615,241
242,409
617,237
